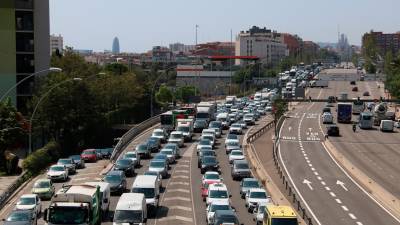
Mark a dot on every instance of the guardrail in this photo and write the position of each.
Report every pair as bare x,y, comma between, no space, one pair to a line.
288,186
132,133
13,187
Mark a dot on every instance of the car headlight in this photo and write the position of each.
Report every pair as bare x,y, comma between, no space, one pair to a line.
203,166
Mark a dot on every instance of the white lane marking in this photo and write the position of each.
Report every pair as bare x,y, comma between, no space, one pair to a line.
178,190
338,201
180,207
359,186
338,182
306,158
179,183
345,208
310,165
182,176
312,168
327,188
332,194
177,198
359,223
293,183
352,216
187,219
308,183
323,183
319,178
183,165
316,173
181,171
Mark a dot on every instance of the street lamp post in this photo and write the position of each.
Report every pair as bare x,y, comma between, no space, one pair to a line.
152,90
37,105
51,69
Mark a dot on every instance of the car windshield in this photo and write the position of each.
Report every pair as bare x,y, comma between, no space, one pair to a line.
157,164
251,184
218,194
158,133
148,192
57,168
89,152
208,138
150,173
209,160
75,157
284,221
166,152
231,136
19,216
261,209
26,201
128,216
42,184
232,143
176,136
123,162
68,215
183,129
169,146
64,161
215,124
212,176
207,153
204,142
242,166
213,208
236,125
130,155
236,153
258,194
112,179
160,156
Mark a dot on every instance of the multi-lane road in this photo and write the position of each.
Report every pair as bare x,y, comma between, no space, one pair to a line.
329,193
180,201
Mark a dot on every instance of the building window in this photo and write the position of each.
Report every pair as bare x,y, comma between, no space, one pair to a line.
24,4
24,20
25,63
24,42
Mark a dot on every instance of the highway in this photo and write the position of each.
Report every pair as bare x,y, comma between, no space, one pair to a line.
180,201
329,193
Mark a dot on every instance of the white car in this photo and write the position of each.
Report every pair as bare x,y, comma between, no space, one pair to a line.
132,155
255,197
243,124
58,172
29,202
231,138
249,119
203,143
217,192
210,137
170,155
232,145
259,214
235,129
235,155
176,137
327,117
209,131
214,206
211,177
160,134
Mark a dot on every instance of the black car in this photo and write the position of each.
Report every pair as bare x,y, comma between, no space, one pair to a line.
326,109
21,217
203,153
106,152
332,130
125,165
331,99
117,181
79,162
366,93
199,125
225,217
209,163
352,82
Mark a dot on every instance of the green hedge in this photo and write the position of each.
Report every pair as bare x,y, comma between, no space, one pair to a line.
41,158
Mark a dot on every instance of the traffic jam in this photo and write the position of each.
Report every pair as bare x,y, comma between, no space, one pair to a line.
139,176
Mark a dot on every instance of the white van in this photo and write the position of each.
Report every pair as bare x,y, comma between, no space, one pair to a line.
150,187
104,196
223,117
387,125
327,117
131,209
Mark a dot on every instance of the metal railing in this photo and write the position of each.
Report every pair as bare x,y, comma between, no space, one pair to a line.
131,134
299,205
13,187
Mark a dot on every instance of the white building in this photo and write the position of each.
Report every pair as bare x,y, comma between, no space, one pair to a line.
56,42
266,44
179,47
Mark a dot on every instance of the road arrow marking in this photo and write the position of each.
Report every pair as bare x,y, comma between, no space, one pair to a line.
305,181
338,182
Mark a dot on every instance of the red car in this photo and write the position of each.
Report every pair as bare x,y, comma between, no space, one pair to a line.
204,189
89,155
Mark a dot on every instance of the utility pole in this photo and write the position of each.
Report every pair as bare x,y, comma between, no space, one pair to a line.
230,68
197,62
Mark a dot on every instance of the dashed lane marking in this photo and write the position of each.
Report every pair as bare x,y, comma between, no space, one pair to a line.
180,208
352,216
338,201
186,219
345,208
178,190
177,198
179,183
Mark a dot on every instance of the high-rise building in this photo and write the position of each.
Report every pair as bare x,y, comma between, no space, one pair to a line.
261,42
343,48
115,46
385,43
56,43
24,44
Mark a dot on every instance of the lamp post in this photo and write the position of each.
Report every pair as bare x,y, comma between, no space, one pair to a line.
40,101
154,86
51,69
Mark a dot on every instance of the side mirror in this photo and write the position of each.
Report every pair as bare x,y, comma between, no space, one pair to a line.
105,200
230,195
255,210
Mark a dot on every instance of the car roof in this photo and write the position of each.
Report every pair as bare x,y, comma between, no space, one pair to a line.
224,213
115,172
258,190
249,179
242,161
211,172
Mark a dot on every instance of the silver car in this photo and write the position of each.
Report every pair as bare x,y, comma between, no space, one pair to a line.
240,169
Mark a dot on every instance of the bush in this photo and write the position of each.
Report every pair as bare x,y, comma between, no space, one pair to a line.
41,158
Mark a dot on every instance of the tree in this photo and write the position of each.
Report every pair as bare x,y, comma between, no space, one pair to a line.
13,129
185,93
116,68
164,95
370,50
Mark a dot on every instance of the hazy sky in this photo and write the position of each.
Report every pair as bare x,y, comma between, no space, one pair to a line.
139,25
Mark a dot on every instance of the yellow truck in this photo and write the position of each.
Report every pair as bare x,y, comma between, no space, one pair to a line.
279,215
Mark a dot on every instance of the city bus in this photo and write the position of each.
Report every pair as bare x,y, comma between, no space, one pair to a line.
279,215
358,106
366,120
